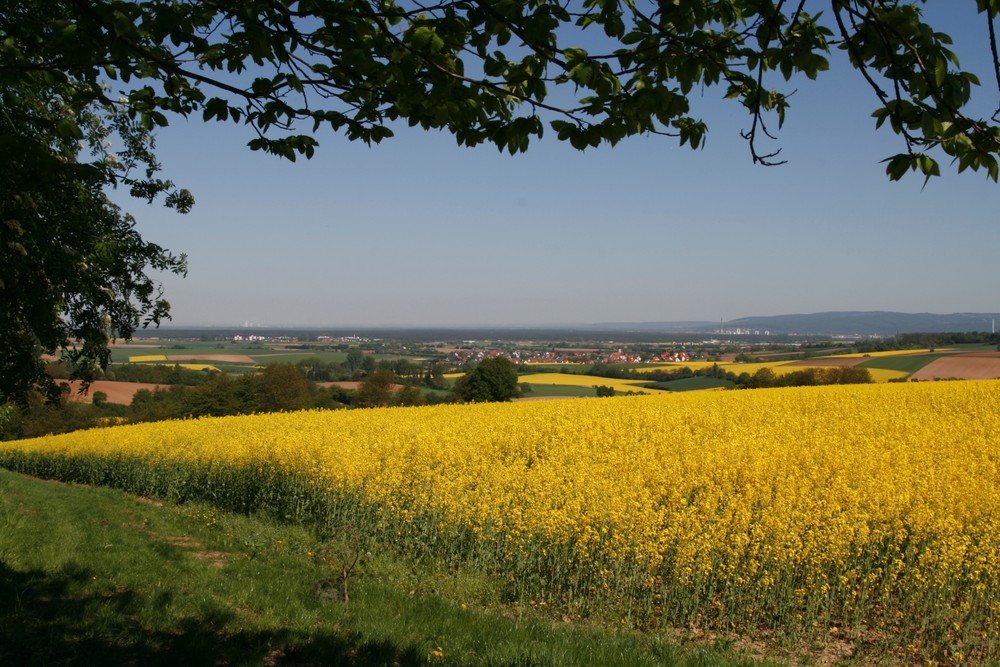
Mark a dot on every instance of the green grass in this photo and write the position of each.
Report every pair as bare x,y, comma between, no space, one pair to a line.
235,369
543,390
96,576
902,363
696,383
295,356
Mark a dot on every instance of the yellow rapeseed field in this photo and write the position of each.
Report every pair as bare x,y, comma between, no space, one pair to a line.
577,380
865,506
199,367
877,374
784,366
142,358
693,365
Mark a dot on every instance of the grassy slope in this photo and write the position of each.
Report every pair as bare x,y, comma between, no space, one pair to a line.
96,576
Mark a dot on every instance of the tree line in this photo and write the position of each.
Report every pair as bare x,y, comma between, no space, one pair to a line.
913,341
764,377
276,388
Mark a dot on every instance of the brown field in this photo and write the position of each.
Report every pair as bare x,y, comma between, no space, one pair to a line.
118,392
851,361
354,385
964,367
224,358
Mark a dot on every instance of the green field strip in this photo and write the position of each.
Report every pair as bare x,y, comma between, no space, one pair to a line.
546,390
696,383
904,363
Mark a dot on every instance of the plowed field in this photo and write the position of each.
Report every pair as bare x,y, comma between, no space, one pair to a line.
964,367
118,392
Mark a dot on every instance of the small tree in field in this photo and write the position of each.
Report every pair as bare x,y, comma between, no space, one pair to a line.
376,390
492,381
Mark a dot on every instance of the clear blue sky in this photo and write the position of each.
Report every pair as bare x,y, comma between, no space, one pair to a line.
419,231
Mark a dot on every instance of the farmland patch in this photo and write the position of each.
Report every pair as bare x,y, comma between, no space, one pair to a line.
588,381
538,391
693,384
894,353
120,393
962,367
906,364
224,358
827,363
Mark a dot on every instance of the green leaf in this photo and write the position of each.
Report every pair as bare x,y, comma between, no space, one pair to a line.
262,87
633,37
928,166
582,73
158,118
425,39
940,71
898,165
68,129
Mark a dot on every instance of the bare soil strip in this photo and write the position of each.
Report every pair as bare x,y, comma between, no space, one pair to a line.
118,392
961,367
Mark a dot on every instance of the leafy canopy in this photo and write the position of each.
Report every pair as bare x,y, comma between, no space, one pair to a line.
501,72
74,269
75,74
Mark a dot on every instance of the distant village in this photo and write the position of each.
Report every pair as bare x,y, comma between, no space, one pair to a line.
468,352
589,356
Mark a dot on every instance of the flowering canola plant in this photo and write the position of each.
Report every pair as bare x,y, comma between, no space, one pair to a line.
866,506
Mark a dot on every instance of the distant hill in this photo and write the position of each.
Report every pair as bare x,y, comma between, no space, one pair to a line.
869,323
845,323
842,323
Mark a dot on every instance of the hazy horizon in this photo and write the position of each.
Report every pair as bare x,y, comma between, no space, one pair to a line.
596,324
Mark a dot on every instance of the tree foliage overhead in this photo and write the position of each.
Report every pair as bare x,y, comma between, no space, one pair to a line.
75,74
501,72
73,273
